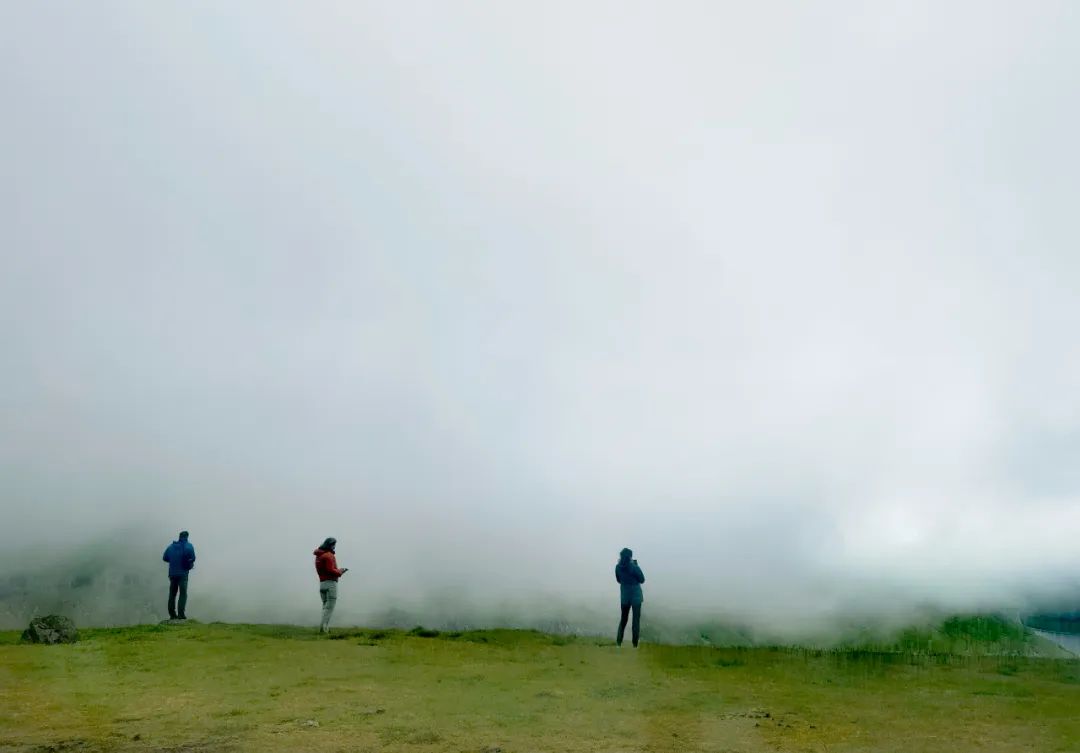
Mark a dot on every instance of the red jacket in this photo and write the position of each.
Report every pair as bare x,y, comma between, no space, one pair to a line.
326,565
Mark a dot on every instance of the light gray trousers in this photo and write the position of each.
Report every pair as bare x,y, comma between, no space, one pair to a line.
328,594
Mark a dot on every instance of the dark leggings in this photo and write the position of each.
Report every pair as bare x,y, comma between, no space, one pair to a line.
636,629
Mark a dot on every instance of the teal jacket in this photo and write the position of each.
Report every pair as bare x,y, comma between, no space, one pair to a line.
630,578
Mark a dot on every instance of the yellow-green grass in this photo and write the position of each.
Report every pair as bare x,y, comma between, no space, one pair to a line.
266,688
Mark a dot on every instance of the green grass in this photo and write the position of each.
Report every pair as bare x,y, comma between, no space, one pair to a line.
278,688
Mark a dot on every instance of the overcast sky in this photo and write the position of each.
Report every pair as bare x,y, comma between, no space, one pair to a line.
781,295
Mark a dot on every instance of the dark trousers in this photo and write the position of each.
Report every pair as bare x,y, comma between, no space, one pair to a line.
636,629
177,583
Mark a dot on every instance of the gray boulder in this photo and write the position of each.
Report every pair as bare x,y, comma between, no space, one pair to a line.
51,629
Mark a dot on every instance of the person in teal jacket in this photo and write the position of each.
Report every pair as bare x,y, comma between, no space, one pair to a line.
629,576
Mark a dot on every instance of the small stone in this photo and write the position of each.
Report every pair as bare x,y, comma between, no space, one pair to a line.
309,723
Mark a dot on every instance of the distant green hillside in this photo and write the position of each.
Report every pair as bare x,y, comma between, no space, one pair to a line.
1062,622
956,635
961,634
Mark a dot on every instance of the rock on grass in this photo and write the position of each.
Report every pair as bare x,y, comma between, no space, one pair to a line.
51,629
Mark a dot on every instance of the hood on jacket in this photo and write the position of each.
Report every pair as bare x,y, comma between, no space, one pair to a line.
181,557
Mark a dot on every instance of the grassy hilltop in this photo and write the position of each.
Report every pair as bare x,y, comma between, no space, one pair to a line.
271,688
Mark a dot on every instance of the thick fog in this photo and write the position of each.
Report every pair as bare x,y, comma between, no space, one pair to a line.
782,296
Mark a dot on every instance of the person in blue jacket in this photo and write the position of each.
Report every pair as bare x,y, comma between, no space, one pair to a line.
630,578
181,558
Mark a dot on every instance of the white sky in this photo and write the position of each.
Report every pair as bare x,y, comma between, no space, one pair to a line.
782,295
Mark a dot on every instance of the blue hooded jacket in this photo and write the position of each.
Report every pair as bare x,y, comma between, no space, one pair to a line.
630,578
181,558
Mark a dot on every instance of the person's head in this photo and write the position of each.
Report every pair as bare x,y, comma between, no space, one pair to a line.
183,535
329,544
625,555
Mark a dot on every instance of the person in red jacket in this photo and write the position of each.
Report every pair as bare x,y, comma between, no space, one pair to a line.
329,572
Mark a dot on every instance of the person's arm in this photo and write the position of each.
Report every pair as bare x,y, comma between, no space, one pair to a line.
637,572
334,568
618,579
190,564
165,557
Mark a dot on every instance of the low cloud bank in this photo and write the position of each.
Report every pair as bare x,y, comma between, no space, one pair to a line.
119,580
784,301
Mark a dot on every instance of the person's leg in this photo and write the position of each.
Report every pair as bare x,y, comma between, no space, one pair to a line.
322,618
328,591
635,631
625,608
331,602
182,606
174,584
